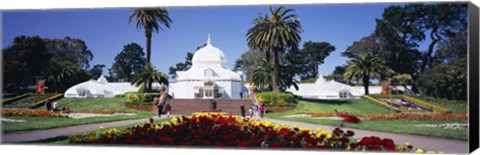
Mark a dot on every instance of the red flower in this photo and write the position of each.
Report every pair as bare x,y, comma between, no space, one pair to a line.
349,133
388,144
277,144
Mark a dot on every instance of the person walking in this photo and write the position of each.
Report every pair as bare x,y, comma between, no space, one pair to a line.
162,100
253,97
242,110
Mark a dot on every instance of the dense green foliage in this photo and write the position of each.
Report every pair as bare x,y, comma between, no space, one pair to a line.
438,71
365,68
275,33
127,63
148,76
139,98
274,98
61,62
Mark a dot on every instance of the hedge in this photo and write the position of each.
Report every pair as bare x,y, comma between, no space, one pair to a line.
368,97
413,100
138,98
274,98
42,102
10,100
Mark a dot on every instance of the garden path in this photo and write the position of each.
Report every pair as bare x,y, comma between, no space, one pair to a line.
424,142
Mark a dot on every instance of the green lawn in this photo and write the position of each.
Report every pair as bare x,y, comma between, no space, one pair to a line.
94,104
63,140
76,105
352,106
360,106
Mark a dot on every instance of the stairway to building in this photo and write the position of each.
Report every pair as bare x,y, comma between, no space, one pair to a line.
189,106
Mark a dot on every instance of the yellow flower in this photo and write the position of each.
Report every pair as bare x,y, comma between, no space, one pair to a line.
101,127
418,151
407,144
329,135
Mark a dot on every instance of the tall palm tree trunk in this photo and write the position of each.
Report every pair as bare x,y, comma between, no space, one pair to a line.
366,82
276,73
148,35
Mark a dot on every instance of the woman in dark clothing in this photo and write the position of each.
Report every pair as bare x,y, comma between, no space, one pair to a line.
162,101
242,109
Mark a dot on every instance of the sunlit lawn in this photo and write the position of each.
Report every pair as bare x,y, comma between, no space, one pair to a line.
76,105
360,106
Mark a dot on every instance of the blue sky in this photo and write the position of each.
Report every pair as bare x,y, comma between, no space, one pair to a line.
106,31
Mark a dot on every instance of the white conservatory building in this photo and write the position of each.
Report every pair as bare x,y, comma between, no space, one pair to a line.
208,77
323,89
100,88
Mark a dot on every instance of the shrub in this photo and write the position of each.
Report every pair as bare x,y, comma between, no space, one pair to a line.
119,96
141,89
136,98
274,98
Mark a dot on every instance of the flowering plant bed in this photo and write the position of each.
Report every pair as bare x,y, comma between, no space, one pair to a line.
216,129
398,116
30,113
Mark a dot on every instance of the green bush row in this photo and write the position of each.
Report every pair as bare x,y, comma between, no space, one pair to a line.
10,100
137,98
411,99
373,99
274,98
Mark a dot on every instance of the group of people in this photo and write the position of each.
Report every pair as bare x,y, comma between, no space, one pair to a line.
53,106
258,108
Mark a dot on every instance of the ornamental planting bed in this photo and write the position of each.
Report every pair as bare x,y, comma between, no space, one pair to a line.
396,116
219,130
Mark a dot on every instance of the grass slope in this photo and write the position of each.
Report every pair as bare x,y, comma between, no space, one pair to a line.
76,105
352,106
361,106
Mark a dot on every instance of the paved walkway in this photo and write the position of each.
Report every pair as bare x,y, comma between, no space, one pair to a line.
428,143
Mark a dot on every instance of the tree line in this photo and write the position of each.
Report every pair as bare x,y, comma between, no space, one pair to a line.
391,53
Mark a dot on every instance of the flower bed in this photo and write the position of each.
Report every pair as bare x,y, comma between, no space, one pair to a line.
216,129
416,116
398,116
30,113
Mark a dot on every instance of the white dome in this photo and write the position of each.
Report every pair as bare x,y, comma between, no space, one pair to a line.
209,55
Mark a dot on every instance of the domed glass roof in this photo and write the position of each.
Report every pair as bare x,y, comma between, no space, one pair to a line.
209,55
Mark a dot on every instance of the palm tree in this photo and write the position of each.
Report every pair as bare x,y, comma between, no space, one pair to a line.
58,71
262,77
275,33
150,19
147,76
364,68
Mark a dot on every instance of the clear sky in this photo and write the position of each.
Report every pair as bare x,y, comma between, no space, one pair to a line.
106,31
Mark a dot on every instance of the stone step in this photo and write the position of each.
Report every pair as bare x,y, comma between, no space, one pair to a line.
189,106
